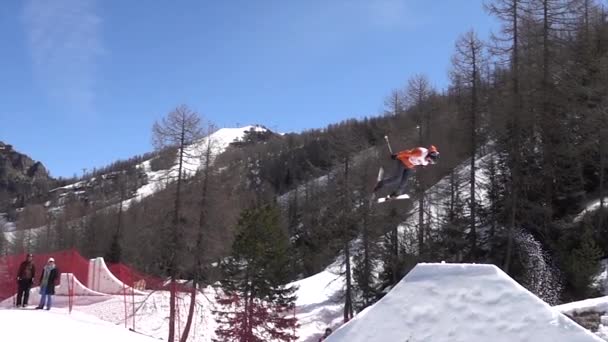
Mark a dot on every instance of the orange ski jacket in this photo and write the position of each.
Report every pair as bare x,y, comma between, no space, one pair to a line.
413,157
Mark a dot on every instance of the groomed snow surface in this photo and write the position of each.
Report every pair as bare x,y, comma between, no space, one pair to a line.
460,303
58,325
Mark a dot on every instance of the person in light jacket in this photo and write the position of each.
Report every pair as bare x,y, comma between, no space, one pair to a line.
47,284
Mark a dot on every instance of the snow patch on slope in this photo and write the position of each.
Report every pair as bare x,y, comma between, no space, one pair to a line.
593,206
319,304
194,159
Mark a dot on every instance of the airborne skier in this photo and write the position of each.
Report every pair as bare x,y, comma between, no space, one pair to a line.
407,160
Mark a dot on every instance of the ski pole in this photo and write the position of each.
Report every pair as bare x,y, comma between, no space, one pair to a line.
388,143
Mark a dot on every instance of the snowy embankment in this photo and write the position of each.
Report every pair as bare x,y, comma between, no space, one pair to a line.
594,309
58,325
589,208
458,302
319,304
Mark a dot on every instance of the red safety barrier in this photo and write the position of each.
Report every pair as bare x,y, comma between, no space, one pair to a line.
68,261
117,279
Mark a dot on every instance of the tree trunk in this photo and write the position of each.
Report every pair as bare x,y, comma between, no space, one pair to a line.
546,118
367,267
175,237
473,151
600,216
348,300
420,201
516,139
395,250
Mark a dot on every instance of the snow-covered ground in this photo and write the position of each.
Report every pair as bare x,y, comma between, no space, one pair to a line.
592,206
151,312
598,306
460,302
58,325
319,304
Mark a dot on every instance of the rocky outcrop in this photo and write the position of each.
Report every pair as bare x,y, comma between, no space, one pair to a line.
21,177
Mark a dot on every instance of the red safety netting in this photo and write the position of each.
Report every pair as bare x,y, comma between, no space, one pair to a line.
141,281
68,261
97,279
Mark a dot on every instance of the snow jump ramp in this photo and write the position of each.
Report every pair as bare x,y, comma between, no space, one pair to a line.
100,279
460,303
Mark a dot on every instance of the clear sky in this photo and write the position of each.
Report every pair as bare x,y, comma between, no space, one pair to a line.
82,81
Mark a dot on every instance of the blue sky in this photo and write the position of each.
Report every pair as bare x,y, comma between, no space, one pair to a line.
84,80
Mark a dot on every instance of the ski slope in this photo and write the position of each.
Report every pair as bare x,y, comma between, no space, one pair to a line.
58,325
464,303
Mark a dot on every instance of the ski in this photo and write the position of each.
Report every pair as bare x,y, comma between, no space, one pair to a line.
389,198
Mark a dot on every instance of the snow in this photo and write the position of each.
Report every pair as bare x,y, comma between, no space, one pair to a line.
152,312
460,302
599,304
193,159
76,185
593,206
57,324
319,304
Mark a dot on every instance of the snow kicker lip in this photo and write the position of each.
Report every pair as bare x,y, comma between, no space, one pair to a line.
102,280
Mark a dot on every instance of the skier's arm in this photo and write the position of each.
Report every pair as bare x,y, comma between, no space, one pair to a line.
401,155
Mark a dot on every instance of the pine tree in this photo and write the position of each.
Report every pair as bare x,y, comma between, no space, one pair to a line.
581,263
255,303
468,60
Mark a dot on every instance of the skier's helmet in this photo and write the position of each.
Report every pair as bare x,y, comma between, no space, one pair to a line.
433,155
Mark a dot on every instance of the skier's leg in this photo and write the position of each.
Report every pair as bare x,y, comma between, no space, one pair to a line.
405,175
395,179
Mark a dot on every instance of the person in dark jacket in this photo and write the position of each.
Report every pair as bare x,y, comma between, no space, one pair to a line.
47,284
25,279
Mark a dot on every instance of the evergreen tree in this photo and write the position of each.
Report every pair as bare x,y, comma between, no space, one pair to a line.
580,260
255,303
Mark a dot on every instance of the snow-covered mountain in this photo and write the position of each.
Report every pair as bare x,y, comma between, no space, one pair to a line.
194,159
